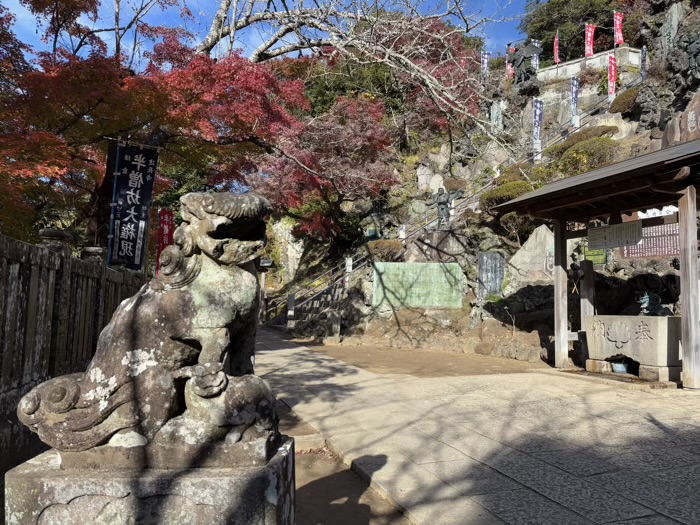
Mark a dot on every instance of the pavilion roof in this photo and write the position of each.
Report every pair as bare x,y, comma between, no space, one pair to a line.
647,181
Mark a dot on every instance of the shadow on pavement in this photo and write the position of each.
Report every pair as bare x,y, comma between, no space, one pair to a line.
533,448
330,494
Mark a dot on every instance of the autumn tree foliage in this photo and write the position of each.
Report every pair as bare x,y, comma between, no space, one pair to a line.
335,158
417,38
363,113
59,114
222,119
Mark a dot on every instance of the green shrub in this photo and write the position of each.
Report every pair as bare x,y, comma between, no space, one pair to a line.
384,250
541,174
503,193
517,226
589,76
513,173
626,102
453,184
588,155
556,151
497,63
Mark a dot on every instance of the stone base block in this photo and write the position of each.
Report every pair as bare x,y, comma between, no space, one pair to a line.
40,492
660,373
599,367
646,373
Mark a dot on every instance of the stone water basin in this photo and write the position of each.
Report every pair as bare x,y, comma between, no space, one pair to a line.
654,342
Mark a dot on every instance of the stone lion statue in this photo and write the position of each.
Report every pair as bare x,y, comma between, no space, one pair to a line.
175,361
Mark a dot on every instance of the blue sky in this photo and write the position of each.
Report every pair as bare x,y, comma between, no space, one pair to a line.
497,35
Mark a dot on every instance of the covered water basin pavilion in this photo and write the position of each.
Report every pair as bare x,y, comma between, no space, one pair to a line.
665,177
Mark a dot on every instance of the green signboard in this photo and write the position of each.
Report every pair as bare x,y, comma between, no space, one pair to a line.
595,256
418,285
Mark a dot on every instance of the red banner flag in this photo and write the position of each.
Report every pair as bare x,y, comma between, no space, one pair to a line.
590,35
612,77
510,70
166,227
619,17
556,48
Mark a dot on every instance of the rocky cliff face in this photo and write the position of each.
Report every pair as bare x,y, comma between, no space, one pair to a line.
684,60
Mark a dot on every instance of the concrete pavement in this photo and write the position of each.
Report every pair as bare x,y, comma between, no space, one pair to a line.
525,448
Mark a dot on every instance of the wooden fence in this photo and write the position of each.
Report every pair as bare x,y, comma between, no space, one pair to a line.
52,309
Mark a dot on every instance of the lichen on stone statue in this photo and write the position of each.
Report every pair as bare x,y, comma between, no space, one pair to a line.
173,368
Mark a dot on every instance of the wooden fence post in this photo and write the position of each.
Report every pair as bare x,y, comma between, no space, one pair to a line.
57,242
98,256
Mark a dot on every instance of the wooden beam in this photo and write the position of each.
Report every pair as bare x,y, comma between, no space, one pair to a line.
592,196
683,173
690,310
577,234
615,216
651,200
561,327
635,198
649,221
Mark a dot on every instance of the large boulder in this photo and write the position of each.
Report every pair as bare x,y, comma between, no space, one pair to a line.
291,249
533,264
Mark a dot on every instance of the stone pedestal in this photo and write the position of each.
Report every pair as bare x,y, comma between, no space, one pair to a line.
40,491
660,373
651,341
646,372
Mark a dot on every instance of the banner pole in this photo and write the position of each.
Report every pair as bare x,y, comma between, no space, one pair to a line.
112,205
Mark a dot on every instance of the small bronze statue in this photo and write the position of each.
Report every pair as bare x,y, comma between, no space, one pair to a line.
650,304
518,59
443,201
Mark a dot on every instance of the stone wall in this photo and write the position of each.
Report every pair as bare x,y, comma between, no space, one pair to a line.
626,56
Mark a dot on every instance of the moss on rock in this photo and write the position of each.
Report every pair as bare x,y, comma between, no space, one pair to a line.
626,102
503,193
558,150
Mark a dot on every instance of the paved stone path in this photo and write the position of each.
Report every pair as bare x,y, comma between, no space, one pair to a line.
528,448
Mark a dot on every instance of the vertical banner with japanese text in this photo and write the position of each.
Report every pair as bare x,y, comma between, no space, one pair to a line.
538,119
556,48
590,37
619,17
166,227
612,77
135,173
644,63
535,60
485,57
574,101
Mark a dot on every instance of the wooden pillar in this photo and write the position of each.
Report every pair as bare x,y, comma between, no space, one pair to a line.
690,311
561,326
587,290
